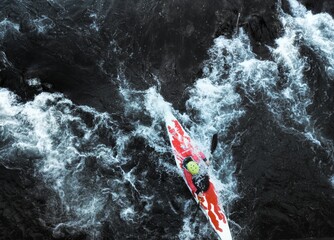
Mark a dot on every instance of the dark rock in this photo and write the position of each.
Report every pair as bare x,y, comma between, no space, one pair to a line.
280,176
261,21
20,207
319,6
319,82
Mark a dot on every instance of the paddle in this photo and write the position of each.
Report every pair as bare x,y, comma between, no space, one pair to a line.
214,142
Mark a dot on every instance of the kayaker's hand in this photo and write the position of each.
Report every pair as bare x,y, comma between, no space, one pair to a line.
207,162
200,195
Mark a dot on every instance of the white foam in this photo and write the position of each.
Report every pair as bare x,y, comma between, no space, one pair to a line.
332,181
294,95
297,8
128,214
94,25
34,82
61,143
153,105
7,100
6,24
315,31
43,24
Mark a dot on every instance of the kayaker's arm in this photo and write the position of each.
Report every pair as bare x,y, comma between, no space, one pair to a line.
207,162
202,156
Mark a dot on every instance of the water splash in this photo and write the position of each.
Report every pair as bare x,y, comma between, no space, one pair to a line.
43,24
65,146
317,31
5,25
297,8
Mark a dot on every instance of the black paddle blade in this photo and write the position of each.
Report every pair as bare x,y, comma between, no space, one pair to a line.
214,142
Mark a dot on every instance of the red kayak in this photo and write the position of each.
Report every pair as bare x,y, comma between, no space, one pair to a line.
183,147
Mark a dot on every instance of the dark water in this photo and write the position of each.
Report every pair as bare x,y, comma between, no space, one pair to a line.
83,147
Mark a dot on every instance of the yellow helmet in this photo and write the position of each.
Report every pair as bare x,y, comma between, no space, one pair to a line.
192,167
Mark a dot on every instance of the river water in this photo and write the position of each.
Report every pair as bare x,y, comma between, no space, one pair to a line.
72,169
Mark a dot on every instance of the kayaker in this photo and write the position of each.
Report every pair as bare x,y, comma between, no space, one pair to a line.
196,174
